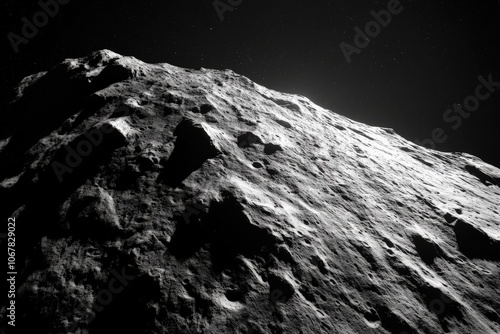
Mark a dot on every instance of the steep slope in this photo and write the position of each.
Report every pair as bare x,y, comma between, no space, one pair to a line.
150,198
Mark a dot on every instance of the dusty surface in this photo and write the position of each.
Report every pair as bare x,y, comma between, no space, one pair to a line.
197,201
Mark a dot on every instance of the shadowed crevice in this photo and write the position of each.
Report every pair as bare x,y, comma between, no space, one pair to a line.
426,249
475,243
228,231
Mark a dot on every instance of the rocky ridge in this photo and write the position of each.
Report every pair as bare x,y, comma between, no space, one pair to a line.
150,198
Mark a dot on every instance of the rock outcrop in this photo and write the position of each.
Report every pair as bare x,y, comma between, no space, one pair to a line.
150,198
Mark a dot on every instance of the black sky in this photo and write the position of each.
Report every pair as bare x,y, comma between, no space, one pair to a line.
427,59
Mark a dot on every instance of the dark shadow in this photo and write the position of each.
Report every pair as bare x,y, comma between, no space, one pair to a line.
228,232
483,177
475,243
426,249
192,148
128,310
271,148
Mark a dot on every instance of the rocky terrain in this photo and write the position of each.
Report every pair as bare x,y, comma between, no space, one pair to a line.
150,198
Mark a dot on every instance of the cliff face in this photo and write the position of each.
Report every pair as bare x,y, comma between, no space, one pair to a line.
150,198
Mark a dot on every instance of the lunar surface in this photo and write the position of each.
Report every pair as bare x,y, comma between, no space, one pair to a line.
150,198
